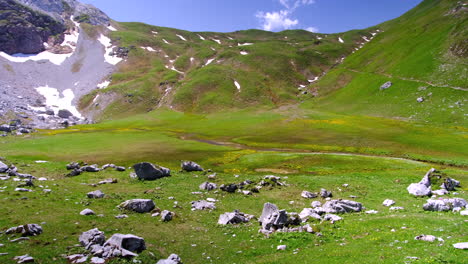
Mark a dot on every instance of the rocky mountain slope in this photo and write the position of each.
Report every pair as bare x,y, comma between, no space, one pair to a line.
42,88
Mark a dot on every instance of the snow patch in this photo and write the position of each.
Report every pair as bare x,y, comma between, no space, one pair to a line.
167,42
95,98
217,41
202,38
230,38
181,37
111,28
237,86
174,69
192,59
103,85
313,80
106,42
340,40
244,53
155,32
244,44
57,102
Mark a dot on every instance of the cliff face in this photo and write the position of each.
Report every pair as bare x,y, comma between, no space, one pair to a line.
23,30
63,9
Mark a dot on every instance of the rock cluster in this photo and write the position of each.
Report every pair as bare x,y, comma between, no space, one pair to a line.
424,188
119,245
78,168
25,230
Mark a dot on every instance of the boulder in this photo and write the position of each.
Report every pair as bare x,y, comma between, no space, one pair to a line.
127,242
444,204
190,166
272,218
3,167
138,205
463,245
388,203
87,212
73,165
231,188
234,218
150,172
332,217
208,186
450,184
325,194
308,213
166,216
96,194
418,189
203,205
172,259
120,168
90,168
342,206
26,230
92,237
386,85
308,195
74,172
63,113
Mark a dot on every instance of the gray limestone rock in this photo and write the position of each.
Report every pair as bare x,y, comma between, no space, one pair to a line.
190,166
234,218
26,230
96,194
203,205
208,186
172,259
138,205
150,172
92,237
342,206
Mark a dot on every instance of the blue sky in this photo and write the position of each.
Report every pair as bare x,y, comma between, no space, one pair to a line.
325,16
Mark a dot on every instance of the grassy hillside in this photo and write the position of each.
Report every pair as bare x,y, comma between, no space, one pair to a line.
424,54
197,72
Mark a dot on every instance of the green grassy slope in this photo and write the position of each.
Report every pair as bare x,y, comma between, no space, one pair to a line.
269,71
424,53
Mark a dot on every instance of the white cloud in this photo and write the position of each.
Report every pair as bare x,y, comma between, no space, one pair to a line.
281,20
276,20
312,29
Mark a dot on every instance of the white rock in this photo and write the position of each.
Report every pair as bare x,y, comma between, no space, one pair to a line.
281,247
463,245
388,203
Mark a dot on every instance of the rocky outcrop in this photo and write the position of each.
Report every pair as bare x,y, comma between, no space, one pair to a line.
23,30
58,9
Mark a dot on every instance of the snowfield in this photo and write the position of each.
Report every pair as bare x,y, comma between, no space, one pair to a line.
57,102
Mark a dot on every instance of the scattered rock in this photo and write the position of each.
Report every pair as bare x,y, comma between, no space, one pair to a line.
203,205
463,245
208,186
90,168
87,212
126,243
444,204
422,188
22,190
26,230
450,184
325,194
396,208
231,188
234,218
77,258
332,217
73,166
342,206
428,238
308,195
150,172
96,194
106,181
420,99
138,205
166,216
388,203
272,218
172,259
372,212
281,247
190,166
315,204
308,213
121,216
24,259
386,85
3,167
92,237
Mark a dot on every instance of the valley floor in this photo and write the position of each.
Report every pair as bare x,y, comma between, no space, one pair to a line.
371,159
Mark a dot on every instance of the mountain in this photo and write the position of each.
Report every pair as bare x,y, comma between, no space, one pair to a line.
423,53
